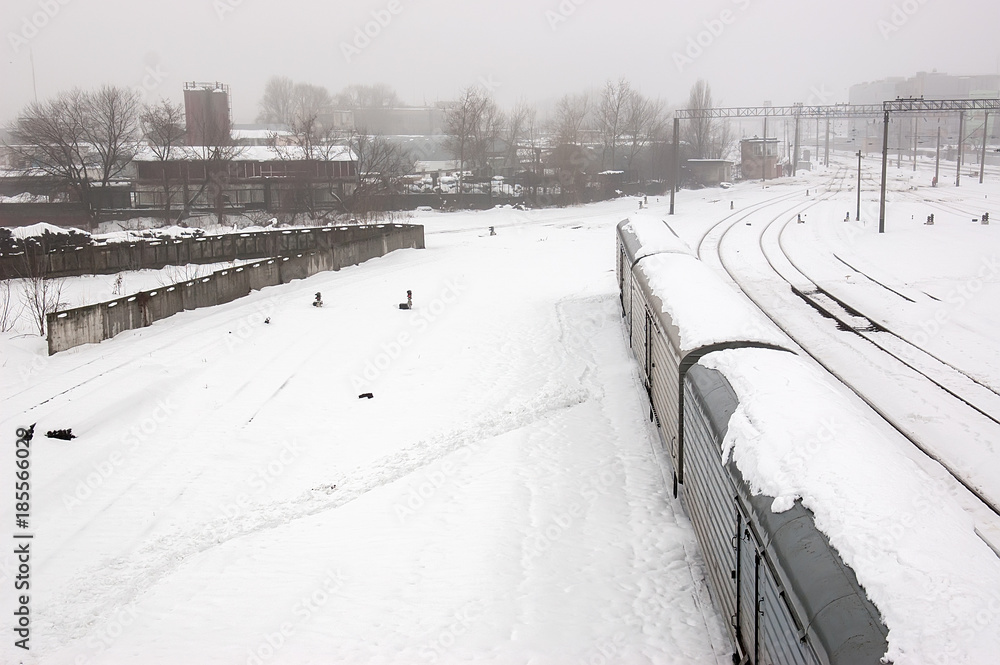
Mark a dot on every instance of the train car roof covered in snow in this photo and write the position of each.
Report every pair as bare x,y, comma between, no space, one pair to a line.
698,311
912,545
644,235
829,602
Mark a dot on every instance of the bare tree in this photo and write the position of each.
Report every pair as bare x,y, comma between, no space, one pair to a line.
112,128
381,163
708,138
473,126
571,114
278,103
374,96
40,295
308,101
486,132
7,314
645,121
611,117
518,132
79,138
163,128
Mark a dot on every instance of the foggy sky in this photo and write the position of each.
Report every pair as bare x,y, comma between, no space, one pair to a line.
750,51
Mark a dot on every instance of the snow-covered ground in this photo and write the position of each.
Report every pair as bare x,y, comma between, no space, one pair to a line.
230,499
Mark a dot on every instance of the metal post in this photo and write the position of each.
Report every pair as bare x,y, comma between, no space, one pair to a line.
816,156
937,156
826,151
857,216
885,165
982,156
795,157
763,163
958,157
899,146
677,162
915,118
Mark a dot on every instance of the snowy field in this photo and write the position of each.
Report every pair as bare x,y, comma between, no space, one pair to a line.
230,499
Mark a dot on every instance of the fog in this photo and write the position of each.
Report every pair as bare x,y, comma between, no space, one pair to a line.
749,51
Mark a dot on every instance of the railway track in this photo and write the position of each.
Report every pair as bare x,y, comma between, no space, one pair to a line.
843,341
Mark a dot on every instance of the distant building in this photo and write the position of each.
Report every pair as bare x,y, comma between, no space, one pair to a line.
266,134
403,121
250,178
929,85
759,158
710,172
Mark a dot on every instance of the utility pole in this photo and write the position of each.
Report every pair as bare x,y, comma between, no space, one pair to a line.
937,156
982,156
857,216
816,155
826,152
34,86
677,162
915,118
795,157
885,165
763,164
958,158
899,146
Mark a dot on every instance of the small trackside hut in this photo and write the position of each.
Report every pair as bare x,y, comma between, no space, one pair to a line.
784,591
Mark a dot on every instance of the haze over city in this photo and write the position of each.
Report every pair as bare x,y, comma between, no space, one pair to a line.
749,51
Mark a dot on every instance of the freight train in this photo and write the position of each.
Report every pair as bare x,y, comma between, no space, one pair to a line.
783,590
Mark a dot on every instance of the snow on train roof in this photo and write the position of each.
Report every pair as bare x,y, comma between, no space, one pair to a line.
913,548
704,309
644,235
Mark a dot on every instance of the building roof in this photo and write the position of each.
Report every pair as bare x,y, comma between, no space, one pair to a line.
253,153
258,133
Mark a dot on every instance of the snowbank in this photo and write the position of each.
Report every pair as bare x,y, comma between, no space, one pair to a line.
40,228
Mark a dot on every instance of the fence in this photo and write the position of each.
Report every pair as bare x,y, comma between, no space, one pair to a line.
157,253
94,323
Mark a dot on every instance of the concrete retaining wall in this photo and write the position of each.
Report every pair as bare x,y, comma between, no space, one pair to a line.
156,254
94,323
